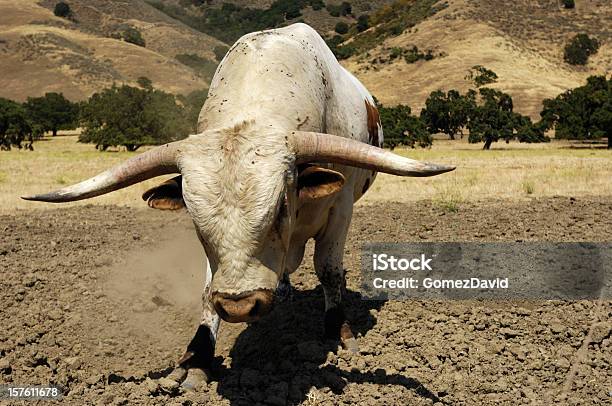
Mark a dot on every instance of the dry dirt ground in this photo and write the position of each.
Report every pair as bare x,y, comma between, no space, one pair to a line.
102,300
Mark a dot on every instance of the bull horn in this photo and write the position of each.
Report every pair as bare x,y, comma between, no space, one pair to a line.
318,147
158,161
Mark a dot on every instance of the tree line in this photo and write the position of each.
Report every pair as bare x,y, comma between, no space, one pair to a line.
123,115
25,122
583,113
131,116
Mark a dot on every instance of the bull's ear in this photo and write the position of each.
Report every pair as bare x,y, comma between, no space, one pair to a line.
315,182
167,196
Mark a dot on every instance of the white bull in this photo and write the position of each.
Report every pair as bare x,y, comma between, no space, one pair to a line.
264,175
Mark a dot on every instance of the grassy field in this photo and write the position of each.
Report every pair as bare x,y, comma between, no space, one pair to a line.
509,172
58,162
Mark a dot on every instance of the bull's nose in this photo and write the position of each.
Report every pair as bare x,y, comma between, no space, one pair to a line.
243,307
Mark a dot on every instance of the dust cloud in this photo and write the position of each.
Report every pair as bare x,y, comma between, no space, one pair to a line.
168,273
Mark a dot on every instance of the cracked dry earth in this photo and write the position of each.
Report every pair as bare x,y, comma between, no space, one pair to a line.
102,300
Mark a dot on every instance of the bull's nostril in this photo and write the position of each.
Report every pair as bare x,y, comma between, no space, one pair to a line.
248,306
255,309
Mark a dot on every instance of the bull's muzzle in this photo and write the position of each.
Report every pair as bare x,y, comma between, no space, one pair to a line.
244,307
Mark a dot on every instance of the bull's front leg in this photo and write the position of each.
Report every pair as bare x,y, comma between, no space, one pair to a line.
328,261
193,368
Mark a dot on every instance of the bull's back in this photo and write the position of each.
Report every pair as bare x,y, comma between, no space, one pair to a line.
289,79
274,77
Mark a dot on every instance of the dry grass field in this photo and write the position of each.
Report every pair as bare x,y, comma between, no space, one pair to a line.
58,162
511,172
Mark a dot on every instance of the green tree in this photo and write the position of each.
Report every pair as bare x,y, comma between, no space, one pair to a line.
334,10
317,4
583,113
131,35
578,50
527,131
15,126
62,9
363,22
345,8
293,10
145,82
402,128
481,76
341,27
132,117
493,119
569,3
448,113
52,112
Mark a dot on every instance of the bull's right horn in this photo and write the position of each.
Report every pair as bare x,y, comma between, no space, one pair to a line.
319,147
158,161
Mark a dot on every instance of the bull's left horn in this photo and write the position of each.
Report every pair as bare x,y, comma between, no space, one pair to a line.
158,161
318,147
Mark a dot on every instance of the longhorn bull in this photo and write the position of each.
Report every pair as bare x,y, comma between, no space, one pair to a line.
287,142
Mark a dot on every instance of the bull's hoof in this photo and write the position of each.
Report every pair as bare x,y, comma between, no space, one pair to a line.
338,329
348,340
350,344
178,374
188,379
196,378
193,369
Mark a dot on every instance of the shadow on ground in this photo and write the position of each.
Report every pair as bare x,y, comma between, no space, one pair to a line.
281,357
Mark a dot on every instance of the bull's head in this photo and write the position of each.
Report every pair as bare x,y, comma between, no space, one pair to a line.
243,193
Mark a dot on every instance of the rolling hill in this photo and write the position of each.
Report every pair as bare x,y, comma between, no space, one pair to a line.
522,41
40,52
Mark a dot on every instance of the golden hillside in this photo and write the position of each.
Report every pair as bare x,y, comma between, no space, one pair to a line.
41,53
522,41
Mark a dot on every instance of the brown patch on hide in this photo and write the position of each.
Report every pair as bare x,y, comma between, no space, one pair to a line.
315,183
232,137
373,123
167,196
